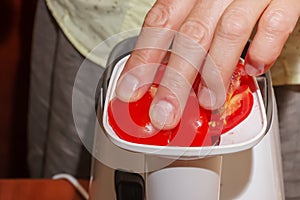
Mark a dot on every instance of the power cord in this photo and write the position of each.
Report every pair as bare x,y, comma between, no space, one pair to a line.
74,182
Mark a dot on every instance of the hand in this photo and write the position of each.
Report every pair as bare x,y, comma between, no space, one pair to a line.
208,36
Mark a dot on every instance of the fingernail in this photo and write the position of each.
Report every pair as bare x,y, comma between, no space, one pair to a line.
162,113
252,68
207,98
127,86
253,71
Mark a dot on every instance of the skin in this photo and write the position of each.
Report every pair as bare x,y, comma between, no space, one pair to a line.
208,37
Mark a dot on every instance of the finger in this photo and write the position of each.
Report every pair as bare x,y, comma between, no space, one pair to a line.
232,33
188,52
154,41
275,26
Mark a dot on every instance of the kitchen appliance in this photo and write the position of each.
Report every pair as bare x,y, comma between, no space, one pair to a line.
245,165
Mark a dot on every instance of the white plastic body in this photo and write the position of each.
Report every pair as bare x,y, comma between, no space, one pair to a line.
257,172
252,174
183,183
246,165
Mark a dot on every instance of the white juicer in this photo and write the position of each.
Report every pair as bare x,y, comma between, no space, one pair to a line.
245,165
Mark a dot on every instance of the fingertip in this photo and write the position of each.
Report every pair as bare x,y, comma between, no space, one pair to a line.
254,67
137,76
126,87
207,98
163,115
210,99
129,88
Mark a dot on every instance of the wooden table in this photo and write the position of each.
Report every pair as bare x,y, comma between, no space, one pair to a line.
39,189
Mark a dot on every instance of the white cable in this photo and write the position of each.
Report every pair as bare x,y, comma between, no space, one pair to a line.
74,182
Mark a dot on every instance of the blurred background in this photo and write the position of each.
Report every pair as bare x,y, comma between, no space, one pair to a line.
16,18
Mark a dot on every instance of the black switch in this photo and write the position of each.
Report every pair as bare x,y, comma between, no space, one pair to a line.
129,186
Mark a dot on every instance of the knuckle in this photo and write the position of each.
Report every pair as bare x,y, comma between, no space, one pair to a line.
140,57
140,65
233,24
197,30
275,22
158,16
176,81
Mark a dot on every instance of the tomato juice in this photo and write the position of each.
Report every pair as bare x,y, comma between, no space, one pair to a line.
197,127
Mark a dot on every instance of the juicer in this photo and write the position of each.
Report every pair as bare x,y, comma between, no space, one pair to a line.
246,164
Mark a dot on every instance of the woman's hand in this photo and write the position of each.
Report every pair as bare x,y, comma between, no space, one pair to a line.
206,36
